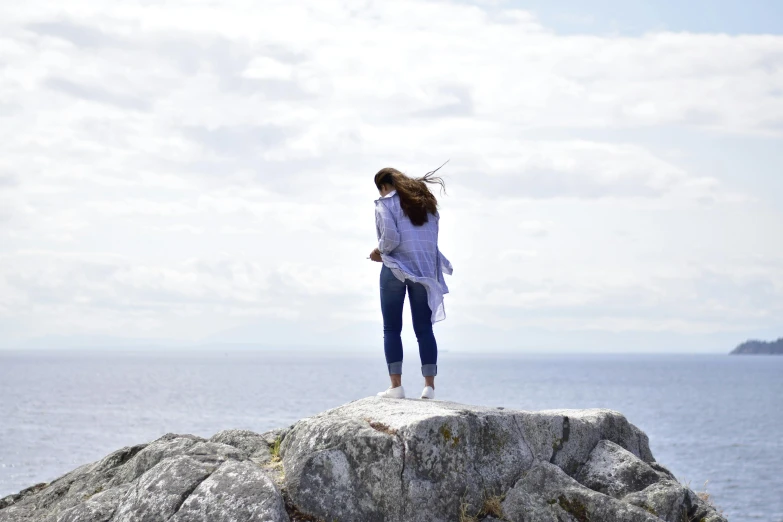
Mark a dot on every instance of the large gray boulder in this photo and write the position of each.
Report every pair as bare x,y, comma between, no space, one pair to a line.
415,461
177,478
379,460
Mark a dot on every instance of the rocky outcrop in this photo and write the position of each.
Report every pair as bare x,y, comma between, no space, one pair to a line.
177,478
381,460
759,348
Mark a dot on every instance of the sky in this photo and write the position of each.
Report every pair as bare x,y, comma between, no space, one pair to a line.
200,173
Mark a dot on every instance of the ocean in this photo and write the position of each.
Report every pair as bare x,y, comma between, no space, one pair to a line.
715,421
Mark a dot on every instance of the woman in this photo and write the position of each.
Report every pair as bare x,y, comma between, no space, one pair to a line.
406,221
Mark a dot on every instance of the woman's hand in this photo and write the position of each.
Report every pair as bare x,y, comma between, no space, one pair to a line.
375,255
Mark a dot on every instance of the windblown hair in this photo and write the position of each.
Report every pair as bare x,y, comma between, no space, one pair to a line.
416,200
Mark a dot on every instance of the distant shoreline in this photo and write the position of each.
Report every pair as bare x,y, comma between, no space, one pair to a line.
759,348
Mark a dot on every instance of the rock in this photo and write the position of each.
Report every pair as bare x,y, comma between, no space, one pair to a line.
163,489
401,460
253,445
615,471
566,437
378,459
177,477
236,491
97,508
273,436
381,460
701,510
547,494
11,499
667,499
147,457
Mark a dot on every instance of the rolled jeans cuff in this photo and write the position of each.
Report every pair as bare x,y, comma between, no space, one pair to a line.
395,368
429,370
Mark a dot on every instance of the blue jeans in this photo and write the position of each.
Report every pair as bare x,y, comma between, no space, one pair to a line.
392,300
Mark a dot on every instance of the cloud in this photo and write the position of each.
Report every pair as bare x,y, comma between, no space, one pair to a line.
180,170
696,303
239,141
270,69
7,109
8,180
97,94
92,293
539,169
455,101
77,34
535,228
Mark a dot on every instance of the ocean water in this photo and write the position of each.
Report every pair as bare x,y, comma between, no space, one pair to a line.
711,419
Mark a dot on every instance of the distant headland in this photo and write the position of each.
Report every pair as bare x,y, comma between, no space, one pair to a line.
759,348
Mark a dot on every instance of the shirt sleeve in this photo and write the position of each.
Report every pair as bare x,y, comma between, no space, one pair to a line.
445,264
386,229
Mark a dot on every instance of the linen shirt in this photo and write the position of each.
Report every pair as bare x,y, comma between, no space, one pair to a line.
412,252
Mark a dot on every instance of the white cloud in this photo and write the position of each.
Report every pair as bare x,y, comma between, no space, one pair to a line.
546,169
181,167
266,67
535,228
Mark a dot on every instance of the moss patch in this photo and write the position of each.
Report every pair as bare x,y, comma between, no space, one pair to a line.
448,436
87,497
573,507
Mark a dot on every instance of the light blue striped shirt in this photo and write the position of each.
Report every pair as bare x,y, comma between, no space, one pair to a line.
412,252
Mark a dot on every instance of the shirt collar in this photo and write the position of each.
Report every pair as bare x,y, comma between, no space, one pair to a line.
390,194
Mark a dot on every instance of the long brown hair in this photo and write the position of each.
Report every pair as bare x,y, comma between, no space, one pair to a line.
416,200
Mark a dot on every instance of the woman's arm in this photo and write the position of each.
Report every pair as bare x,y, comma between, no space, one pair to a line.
386,228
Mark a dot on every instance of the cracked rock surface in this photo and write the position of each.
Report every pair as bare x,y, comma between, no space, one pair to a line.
415,461
381,460
177,478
